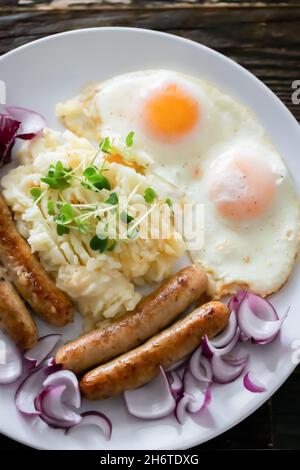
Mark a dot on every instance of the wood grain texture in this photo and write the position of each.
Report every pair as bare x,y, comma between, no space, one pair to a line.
265,38
114,4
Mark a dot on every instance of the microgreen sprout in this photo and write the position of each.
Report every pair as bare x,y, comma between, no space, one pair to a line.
150,195
98,244
58,177
51,207
169,202
129,139
84,217
61,230
35,193
105,145
112,199
93,178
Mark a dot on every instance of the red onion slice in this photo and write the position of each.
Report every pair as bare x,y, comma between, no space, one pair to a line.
252,384
27,392
251,322
196,396
205,372
94,418
53,423
71,395
51,366
8,130
262,307
10,360
151,401
181,408
42,349
200,366
32,122
235,301
206,351
208,346
243,338
200,391
227,335
32,385
52,408
265,311
176,384
224,372
49,393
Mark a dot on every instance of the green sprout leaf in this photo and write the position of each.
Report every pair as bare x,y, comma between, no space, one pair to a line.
102,183
67,211
105,145
57,177
97,243
89,172
150,195
59,168
112,199
51,207
129,139
65,216
169,202
35,193
61,230
94,179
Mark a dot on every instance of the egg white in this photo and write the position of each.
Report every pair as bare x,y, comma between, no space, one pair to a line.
256,253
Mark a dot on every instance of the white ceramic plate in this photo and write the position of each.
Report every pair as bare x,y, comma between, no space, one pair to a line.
44,72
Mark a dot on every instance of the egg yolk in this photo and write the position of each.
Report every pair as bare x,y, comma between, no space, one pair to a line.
171,113
243,189
115,158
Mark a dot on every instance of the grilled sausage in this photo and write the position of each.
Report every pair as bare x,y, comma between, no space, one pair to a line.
28,276
14,316
140,365
151,315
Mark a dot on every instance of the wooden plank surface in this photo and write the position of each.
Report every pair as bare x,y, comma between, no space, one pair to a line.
262,36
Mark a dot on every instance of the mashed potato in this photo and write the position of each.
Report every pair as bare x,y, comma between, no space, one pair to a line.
102,285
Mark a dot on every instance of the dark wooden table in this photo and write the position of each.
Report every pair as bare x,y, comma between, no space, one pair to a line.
264,37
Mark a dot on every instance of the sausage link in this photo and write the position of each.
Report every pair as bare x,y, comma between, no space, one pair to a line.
28,276
151,315
140,365
14,316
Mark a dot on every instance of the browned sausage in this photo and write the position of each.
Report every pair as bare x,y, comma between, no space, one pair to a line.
28,276
140,365
14,316
151,315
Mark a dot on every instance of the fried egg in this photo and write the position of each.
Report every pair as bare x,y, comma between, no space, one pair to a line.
175,118
251,220
210,147
169,114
